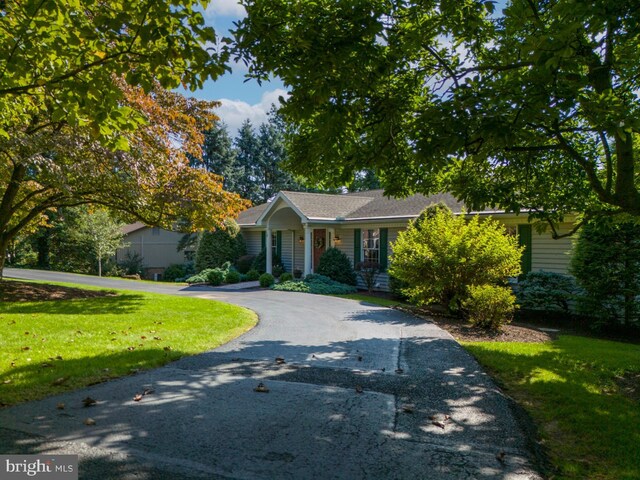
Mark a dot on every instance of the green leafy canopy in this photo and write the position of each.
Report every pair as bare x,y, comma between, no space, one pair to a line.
532,108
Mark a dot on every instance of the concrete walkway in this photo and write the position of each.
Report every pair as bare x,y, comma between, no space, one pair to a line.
204,419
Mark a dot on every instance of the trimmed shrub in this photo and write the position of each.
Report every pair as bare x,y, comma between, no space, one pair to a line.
440,254
337,266
489,306
199,277
215,276
260,262
606,264
368,272
220,246
243,264
286,277
177,271
232,276
266,280
297,273
546,292
253,275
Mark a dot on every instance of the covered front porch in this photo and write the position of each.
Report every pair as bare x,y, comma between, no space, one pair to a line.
298,241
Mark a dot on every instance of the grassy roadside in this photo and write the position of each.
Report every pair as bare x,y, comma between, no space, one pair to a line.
580,392
47,347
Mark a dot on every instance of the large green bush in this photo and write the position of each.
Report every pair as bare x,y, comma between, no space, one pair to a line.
441,254
243,264
260,262
606,264
177,271
337,266
489,306
546,292
216,248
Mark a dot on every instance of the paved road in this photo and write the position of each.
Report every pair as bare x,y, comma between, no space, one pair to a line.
204,419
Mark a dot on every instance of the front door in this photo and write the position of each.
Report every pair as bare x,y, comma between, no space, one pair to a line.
319,239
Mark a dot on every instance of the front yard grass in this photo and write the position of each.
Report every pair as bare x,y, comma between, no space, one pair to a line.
51,346
582,393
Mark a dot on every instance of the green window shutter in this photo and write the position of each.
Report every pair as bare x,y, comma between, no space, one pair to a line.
279,244
524,240
357,246
384,248
264,241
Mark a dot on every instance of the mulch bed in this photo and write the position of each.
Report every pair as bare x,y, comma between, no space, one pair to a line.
14,291
463,332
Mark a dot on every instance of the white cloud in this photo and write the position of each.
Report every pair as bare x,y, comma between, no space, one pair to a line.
235,112
225,8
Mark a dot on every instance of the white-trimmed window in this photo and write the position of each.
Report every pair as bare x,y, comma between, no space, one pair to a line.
371,245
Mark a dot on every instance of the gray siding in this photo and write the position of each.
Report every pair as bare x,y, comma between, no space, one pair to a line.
287,251
157,247
551,255
253,240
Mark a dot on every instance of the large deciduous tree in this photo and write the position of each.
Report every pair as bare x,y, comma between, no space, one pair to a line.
152,181
531,108
58,59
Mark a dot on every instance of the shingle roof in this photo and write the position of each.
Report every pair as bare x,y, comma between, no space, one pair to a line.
251,215
371,204
326,206
380,206
133,227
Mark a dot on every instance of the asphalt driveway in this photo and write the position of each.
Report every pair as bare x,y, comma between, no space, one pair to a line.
365,393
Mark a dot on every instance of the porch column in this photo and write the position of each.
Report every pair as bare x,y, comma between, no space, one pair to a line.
269,247
308,240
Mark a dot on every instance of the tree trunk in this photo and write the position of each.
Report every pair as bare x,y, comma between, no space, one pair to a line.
4,243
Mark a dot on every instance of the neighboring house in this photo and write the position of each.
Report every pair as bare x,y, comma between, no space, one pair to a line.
157,248
301,226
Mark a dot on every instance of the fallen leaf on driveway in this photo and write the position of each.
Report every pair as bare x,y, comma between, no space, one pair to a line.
60,406
280,360
440,420
500,457
137,397
88,402
399,370
261,388
359,389
89,421
408,408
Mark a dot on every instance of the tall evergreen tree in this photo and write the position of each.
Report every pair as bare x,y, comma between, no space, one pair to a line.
247,149
219,156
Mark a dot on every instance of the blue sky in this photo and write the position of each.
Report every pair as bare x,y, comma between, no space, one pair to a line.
240,99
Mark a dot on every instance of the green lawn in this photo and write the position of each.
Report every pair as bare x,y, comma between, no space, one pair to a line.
569,388
84,341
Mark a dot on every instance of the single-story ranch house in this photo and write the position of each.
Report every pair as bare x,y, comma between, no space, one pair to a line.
301,226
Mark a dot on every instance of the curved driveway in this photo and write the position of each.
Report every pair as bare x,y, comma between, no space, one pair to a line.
364,394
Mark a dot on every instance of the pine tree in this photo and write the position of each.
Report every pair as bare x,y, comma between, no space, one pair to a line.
247,158
219,156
